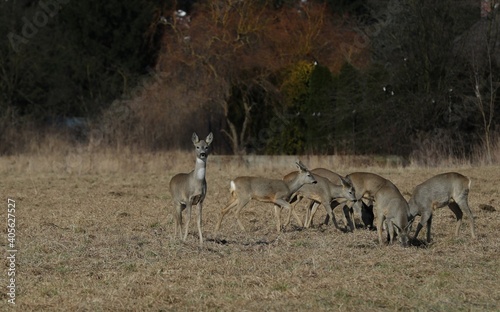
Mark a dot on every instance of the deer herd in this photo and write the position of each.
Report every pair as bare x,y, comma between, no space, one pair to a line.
365,194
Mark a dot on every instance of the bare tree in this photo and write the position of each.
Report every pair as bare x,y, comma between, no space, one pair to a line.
485,90
484,47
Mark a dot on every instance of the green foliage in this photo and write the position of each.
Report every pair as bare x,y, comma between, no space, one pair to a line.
349,96
295,85
285,135
289,131
318,106
307,91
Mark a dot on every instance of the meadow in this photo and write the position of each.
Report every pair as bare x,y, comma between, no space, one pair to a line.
95,232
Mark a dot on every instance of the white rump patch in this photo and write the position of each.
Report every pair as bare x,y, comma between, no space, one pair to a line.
233,187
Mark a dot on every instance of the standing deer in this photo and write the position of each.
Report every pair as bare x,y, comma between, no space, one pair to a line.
244,189
390,205
330,190
189,189
447,189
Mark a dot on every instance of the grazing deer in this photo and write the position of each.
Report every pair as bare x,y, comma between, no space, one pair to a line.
244,189
189,189
366,185
447,189
390,205
364,190
330,190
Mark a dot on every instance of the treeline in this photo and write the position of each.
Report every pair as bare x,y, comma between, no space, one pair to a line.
68,60
413,78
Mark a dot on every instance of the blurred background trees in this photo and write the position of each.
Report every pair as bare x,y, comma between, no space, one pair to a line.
412,78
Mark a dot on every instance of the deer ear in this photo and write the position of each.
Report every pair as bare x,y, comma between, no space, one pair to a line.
301,166
409,225
345,182
195,138
397,227
209,138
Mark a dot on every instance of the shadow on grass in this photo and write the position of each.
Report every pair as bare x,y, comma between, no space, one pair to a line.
222,241
415,242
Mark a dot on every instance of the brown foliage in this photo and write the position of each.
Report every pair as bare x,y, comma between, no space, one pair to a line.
223,44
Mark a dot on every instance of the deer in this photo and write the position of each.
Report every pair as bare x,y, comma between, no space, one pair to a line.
362,192
330,190
245,188
188,189
390,206
446,189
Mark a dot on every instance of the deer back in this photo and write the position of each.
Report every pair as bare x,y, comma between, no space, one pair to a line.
262,189
330,175
321,191
438,191
326,188
392,202
366,184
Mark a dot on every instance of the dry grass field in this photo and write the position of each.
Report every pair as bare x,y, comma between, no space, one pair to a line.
95,233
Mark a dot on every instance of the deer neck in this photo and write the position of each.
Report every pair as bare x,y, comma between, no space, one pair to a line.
200,170
294,185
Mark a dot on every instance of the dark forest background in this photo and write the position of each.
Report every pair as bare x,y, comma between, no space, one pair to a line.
415,78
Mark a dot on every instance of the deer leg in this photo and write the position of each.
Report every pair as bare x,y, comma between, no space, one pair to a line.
417,230
349,210
349,217
312,206
429,223
288,216
293,200
279,204
329,211
458,214
294,212
200,234
295,215
424,220
367,215
345,218
277,215
188,219
308,206
224,211
297,218
242,202
327,220
464,206
380,224
390,231
178,219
